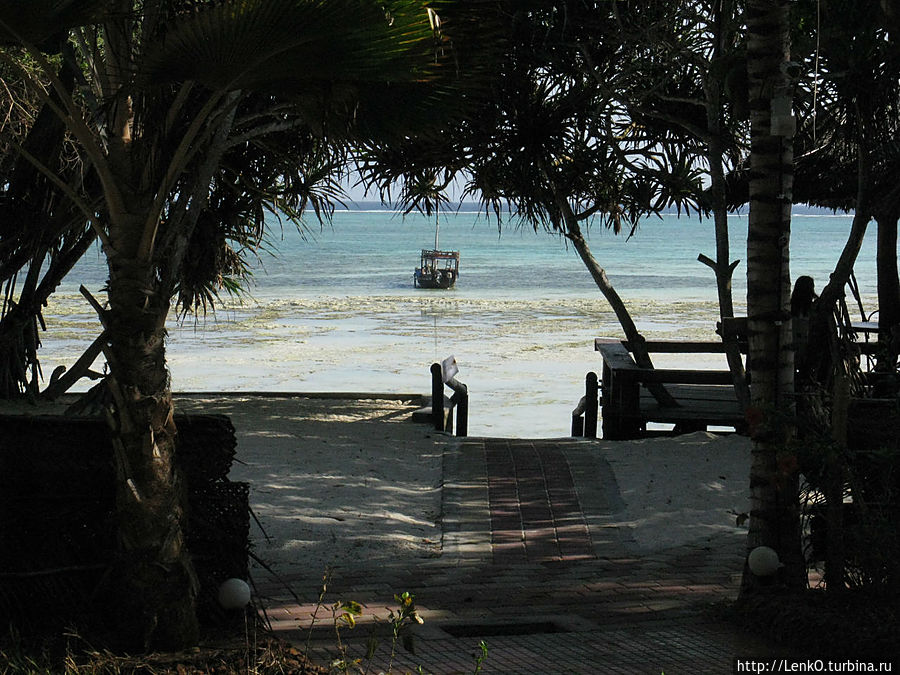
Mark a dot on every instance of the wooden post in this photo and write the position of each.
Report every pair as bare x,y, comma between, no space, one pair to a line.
437,397
578,420
620,392
591,404
611,425
448,425
462,410
442,417
460,401
629,399
584,417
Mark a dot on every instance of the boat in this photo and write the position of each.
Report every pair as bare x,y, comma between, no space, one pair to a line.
437,268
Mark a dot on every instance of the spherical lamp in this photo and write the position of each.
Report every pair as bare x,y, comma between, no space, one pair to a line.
763,561
234,594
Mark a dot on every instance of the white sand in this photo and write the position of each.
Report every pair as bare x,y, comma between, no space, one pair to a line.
335,480
339,480
682,489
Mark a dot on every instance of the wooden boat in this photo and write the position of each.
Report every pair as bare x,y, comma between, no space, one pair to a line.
438,269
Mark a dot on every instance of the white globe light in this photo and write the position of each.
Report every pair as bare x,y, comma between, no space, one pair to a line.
763,561
234,594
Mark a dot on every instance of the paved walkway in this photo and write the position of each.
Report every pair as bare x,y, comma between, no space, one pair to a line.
531,564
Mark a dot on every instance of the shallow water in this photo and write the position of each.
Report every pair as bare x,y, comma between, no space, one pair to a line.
336,310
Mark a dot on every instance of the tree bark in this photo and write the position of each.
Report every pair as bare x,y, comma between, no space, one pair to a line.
819,365
155,572
634,337
722,267
154,578
834,289
774,514
888,290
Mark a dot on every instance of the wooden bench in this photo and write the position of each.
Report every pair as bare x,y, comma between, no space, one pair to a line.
703,397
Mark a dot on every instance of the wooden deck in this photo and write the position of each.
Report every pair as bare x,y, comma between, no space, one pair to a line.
702,398
700,405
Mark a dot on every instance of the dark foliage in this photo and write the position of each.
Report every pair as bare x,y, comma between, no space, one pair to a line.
57,509
857,625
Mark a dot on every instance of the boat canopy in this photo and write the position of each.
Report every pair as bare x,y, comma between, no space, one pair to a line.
451,257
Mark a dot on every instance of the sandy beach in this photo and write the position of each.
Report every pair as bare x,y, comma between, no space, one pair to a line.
353,481
334,480
640,544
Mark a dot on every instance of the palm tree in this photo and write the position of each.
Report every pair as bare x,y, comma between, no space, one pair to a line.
847,159
42,233
557,142
691,79
849,156
167,88
774,514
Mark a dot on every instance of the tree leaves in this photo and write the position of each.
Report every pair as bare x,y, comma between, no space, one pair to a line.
291,45
35,21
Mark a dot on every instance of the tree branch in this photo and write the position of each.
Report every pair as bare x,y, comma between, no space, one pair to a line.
262,130
69,192
71,117
185,151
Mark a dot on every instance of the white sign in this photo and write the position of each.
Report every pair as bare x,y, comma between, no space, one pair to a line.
449,369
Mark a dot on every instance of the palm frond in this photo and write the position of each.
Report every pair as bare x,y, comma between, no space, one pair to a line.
35,21
293,44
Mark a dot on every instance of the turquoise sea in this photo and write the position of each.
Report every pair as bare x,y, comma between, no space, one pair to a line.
335,309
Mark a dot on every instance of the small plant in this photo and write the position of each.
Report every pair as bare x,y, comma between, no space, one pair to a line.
480,658
405,616
14,660
344,616
326,578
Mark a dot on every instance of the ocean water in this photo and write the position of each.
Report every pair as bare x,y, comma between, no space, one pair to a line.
334,309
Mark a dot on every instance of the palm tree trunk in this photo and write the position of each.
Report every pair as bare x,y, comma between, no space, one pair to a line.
819,365
774,515
838,279
888,289
155,572
722,266
635,339
154,579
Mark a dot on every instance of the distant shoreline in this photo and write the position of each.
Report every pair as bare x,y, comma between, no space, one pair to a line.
353,206
475,207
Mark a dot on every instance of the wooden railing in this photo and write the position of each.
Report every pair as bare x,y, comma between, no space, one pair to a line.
584,417
702,397
442,407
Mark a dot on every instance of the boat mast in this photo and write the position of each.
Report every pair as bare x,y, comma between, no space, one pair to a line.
437,227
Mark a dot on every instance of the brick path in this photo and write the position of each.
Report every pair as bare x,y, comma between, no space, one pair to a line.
532,564
535,513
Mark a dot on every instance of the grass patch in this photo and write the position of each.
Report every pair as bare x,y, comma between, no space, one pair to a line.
69,656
